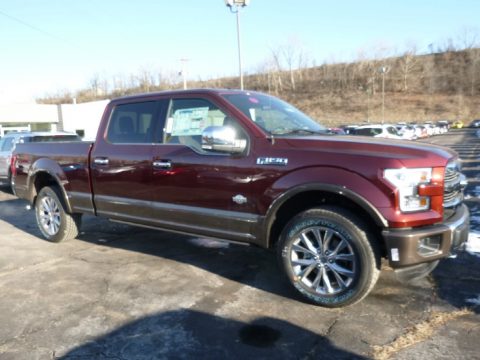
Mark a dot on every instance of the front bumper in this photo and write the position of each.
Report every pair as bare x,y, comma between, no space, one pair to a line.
404,246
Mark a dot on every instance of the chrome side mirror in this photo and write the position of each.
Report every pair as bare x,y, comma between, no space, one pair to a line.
222,139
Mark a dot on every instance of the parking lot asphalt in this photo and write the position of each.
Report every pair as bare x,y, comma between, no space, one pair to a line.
122,292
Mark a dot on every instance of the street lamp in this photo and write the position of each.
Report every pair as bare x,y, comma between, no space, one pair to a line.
235,6
383,70
183,72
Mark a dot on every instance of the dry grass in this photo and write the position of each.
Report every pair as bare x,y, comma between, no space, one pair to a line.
353,108
440,87
418,333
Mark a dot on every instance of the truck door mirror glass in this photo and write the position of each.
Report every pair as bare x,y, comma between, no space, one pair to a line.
222,139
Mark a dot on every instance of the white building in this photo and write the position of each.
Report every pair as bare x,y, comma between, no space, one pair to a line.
80,118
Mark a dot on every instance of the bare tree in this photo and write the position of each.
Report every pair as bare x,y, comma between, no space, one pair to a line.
276,60
474,69
292,51
95,84
408,62
469,38
303,62
145,79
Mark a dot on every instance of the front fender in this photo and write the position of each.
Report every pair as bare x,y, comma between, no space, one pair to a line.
363,192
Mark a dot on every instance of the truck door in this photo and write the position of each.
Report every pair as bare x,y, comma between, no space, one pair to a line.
201,191
121,162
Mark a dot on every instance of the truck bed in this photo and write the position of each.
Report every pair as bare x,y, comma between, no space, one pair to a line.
70,161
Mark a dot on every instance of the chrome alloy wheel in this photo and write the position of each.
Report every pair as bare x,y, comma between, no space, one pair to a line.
49,215
323,260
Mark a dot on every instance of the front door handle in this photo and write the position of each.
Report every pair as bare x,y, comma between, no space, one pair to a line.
162,164
101,161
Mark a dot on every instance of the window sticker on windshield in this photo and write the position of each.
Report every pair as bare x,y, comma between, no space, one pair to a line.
253,100
189,121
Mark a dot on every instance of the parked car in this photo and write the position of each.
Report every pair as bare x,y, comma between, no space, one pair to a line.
381,131
457,124
443,125
475,124
349,129
248,167
337,131
10,141
421,131
407,132
431,129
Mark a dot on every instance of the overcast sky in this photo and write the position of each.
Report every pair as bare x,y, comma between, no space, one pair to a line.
51,45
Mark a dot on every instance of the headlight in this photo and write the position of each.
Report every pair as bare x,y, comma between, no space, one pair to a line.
407,182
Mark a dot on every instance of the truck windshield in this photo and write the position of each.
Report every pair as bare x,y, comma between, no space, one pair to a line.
274,116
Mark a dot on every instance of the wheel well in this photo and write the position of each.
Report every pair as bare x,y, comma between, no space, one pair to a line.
42,179
310,199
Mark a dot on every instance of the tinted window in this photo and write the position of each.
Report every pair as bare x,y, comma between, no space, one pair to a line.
366,132
392,130
132,123
51,138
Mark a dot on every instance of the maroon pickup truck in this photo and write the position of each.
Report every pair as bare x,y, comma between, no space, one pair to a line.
247,167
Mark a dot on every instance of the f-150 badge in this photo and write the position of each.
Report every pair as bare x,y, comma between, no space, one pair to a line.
272,161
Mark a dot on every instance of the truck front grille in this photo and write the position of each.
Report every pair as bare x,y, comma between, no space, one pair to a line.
455,182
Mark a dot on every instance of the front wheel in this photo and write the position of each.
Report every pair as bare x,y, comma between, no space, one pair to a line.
10,182
328,256
54,222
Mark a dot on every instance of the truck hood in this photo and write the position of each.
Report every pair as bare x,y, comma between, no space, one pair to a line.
409,153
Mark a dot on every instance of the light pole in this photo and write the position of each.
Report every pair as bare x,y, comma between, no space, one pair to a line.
383,70
184,72
235,6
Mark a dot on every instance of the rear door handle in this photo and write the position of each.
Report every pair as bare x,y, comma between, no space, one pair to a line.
101,161
162,164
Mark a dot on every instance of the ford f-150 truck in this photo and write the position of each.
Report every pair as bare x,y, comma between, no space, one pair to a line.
247,167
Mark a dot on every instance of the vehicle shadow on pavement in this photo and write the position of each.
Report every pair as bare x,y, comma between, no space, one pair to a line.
14,212
458,281
247,265
191,334
244,264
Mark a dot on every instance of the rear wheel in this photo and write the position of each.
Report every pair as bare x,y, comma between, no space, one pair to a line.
54,222
328,257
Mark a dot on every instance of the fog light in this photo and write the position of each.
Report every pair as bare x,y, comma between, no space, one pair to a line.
429,246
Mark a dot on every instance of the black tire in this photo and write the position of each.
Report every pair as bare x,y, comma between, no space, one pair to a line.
327,256
10,183
54,222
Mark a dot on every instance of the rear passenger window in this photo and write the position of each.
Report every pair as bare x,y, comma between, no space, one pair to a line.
132,123
364,132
